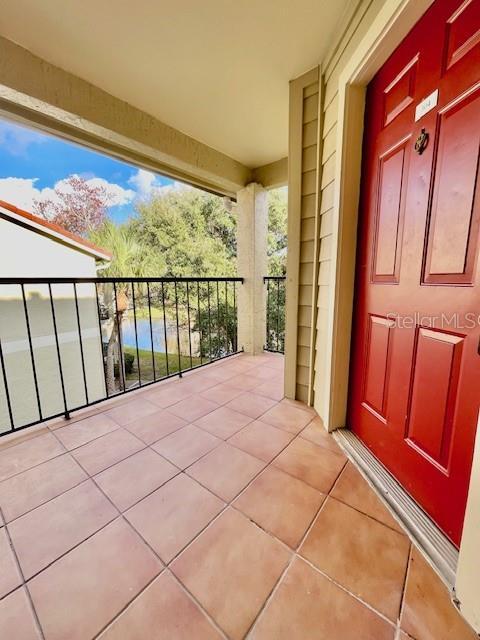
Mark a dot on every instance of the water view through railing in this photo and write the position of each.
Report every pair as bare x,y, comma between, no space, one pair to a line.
68,343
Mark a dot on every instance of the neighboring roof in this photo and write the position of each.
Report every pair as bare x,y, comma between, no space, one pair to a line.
52,230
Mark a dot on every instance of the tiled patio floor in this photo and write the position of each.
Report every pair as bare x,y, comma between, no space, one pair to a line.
200,509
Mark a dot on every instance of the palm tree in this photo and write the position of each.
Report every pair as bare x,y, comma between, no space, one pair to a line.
129,259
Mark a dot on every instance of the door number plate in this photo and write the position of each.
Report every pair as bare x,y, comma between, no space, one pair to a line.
426,105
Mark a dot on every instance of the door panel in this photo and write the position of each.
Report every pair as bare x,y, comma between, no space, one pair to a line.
376,375
452,240
435,375
389,225
463,32
415,367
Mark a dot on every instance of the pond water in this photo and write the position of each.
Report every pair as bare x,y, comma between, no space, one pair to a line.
144,338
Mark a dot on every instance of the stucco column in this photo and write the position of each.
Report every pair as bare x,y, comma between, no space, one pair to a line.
252,225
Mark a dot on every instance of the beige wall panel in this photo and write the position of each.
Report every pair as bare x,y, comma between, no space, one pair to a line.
328,171
326,248
309,134
304,337
310,90
323,296
308,229
306,273
306,251
308,206
324,273
302,369
309,182
331,92
310,108
304,315
305,295
303,92
329,144
302,393
326,224
331,116
328,194
309,158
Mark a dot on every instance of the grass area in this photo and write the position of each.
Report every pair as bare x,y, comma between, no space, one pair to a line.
146,364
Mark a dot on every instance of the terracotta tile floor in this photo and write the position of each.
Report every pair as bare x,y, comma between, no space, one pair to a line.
205,508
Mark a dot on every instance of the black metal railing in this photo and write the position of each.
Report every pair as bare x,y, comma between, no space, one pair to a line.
275,336
68,343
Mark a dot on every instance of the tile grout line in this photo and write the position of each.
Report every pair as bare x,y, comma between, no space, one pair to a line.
402,601
228,504
199,605
24,582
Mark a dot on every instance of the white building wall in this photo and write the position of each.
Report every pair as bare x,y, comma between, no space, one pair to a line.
24,253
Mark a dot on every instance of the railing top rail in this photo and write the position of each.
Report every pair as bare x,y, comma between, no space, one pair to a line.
41,280
265,278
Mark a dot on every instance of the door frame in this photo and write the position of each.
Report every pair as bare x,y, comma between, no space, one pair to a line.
390,26
388,29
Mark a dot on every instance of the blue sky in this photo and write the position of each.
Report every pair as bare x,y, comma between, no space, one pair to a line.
33,163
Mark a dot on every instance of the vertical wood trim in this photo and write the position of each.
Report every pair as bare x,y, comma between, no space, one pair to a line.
316,245
294,225
344,241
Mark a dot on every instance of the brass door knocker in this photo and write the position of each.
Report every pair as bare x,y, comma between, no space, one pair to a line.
421,142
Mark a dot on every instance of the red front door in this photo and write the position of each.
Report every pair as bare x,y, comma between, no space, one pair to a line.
415,374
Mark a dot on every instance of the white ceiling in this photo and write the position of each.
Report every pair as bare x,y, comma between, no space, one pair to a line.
218,70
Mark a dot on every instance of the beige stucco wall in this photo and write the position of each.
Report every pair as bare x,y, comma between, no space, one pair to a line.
27,254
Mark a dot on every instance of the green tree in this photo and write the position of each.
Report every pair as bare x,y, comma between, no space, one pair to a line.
277,232
193,232
130,257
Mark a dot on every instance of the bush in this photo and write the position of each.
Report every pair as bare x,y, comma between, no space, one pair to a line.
129,360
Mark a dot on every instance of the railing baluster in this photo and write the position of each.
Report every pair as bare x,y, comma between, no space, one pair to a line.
226,317
101,340
199,320
165,329
268,313
278,314
121,363
222,339
60,369
7,393
218,323
178,332
151,331
235,318
189,334
32,356
209,324
136,335
275,314
80,342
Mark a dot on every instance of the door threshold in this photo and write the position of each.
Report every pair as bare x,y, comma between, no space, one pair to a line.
441,554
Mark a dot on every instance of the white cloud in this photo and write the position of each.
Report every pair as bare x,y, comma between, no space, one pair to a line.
143,182
147,184
22,192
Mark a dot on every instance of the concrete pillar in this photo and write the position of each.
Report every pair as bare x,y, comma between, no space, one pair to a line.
252,226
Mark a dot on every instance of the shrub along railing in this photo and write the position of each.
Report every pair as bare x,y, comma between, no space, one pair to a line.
275,336
68,343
